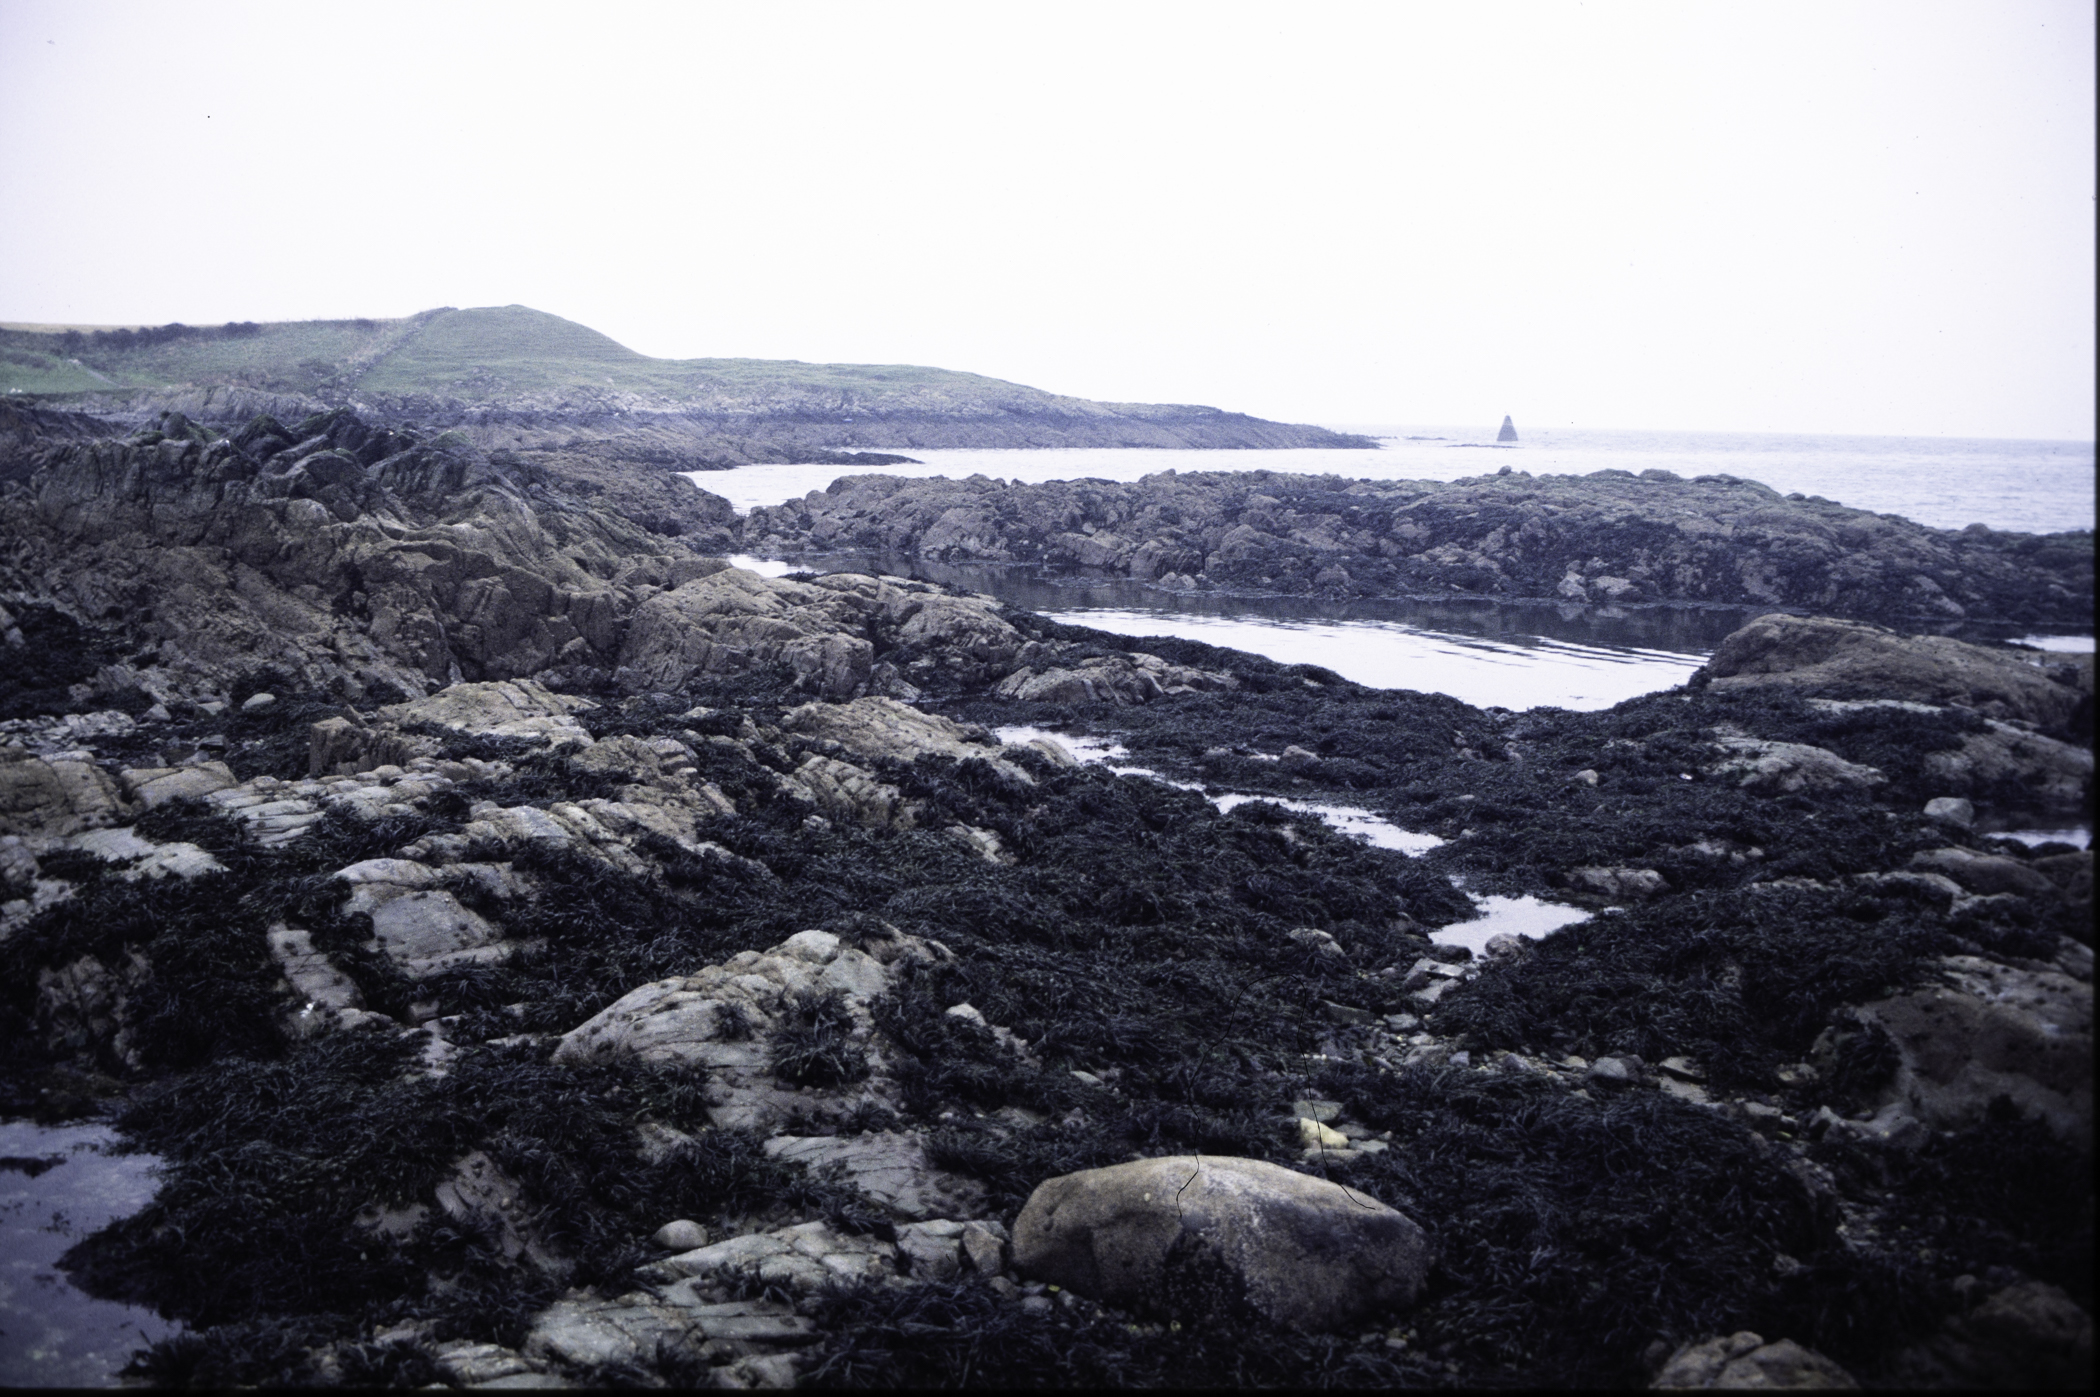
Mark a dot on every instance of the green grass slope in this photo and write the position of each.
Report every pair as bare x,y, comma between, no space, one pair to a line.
481,355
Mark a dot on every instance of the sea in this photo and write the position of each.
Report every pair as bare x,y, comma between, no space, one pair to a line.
1493,654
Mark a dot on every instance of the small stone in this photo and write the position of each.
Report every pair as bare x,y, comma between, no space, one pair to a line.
1951,810
1318,1136
682,1235
1614,1072
257,702
1321,1111
1586,776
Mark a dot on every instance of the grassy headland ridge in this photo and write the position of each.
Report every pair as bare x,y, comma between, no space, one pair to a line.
521,379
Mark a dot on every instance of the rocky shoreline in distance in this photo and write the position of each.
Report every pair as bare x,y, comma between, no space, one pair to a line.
542,953
1607,537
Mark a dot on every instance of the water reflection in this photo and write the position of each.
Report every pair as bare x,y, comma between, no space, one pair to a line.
1527,917
1506,654
58,1184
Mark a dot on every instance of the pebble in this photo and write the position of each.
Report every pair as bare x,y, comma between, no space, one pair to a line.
682,1235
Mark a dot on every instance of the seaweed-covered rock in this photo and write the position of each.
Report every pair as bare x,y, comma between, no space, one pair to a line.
2029,1335
1852,659
56,796
1745,1360
503,708
1607,537
1993,1031
1783,768
758,1022
1203,1234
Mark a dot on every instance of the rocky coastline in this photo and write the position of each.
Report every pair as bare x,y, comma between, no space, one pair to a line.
1610,537
545,954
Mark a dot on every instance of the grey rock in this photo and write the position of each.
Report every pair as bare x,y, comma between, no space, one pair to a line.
1951,810
1194,1234
1986,874
806,1257
1993,1030
1820,653
2029,1335
61,795
1785,768
719,1019
1618,882
154,786
255,703
1613,1072
682,1235
1745,1360
889,1167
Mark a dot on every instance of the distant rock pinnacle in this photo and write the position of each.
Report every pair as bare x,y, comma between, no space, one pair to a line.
1508,432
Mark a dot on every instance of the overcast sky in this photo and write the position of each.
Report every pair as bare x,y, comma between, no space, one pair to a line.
1839,217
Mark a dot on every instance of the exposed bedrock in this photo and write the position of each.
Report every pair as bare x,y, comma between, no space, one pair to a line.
728,427
1609,536
1849,660
710,1005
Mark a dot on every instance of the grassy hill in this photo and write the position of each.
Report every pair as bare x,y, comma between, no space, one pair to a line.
523,378
484,355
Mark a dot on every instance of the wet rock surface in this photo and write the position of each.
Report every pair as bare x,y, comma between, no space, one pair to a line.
1610,537
689,1012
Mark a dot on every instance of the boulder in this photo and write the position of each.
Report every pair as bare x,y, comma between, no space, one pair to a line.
808,1257
1784,768
722,1019
1951,810
1618,882
1745,1360
1852,658
153,786
1986,873
504,708
59,795
1993,1030
884,727
2015,768
1189,1234
2029,1335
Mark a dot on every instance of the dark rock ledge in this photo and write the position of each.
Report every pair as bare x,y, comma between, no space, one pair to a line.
543,954
1610,537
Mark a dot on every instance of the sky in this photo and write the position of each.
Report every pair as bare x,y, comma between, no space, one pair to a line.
1849,217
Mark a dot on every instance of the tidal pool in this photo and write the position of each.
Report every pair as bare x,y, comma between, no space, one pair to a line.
1528,917
58,1184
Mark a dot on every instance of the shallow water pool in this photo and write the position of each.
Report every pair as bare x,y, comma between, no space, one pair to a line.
58,1184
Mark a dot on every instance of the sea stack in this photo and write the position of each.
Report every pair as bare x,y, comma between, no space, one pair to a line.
1509,430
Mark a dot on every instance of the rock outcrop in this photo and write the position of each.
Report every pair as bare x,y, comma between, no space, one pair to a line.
333,553
1608,537
1849,660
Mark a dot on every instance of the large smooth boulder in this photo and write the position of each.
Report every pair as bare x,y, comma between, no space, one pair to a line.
1192,1234
1854,658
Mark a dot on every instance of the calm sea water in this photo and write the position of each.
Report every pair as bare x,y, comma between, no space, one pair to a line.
1946,482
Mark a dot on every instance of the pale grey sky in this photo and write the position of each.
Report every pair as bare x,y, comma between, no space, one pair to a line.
1844,217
